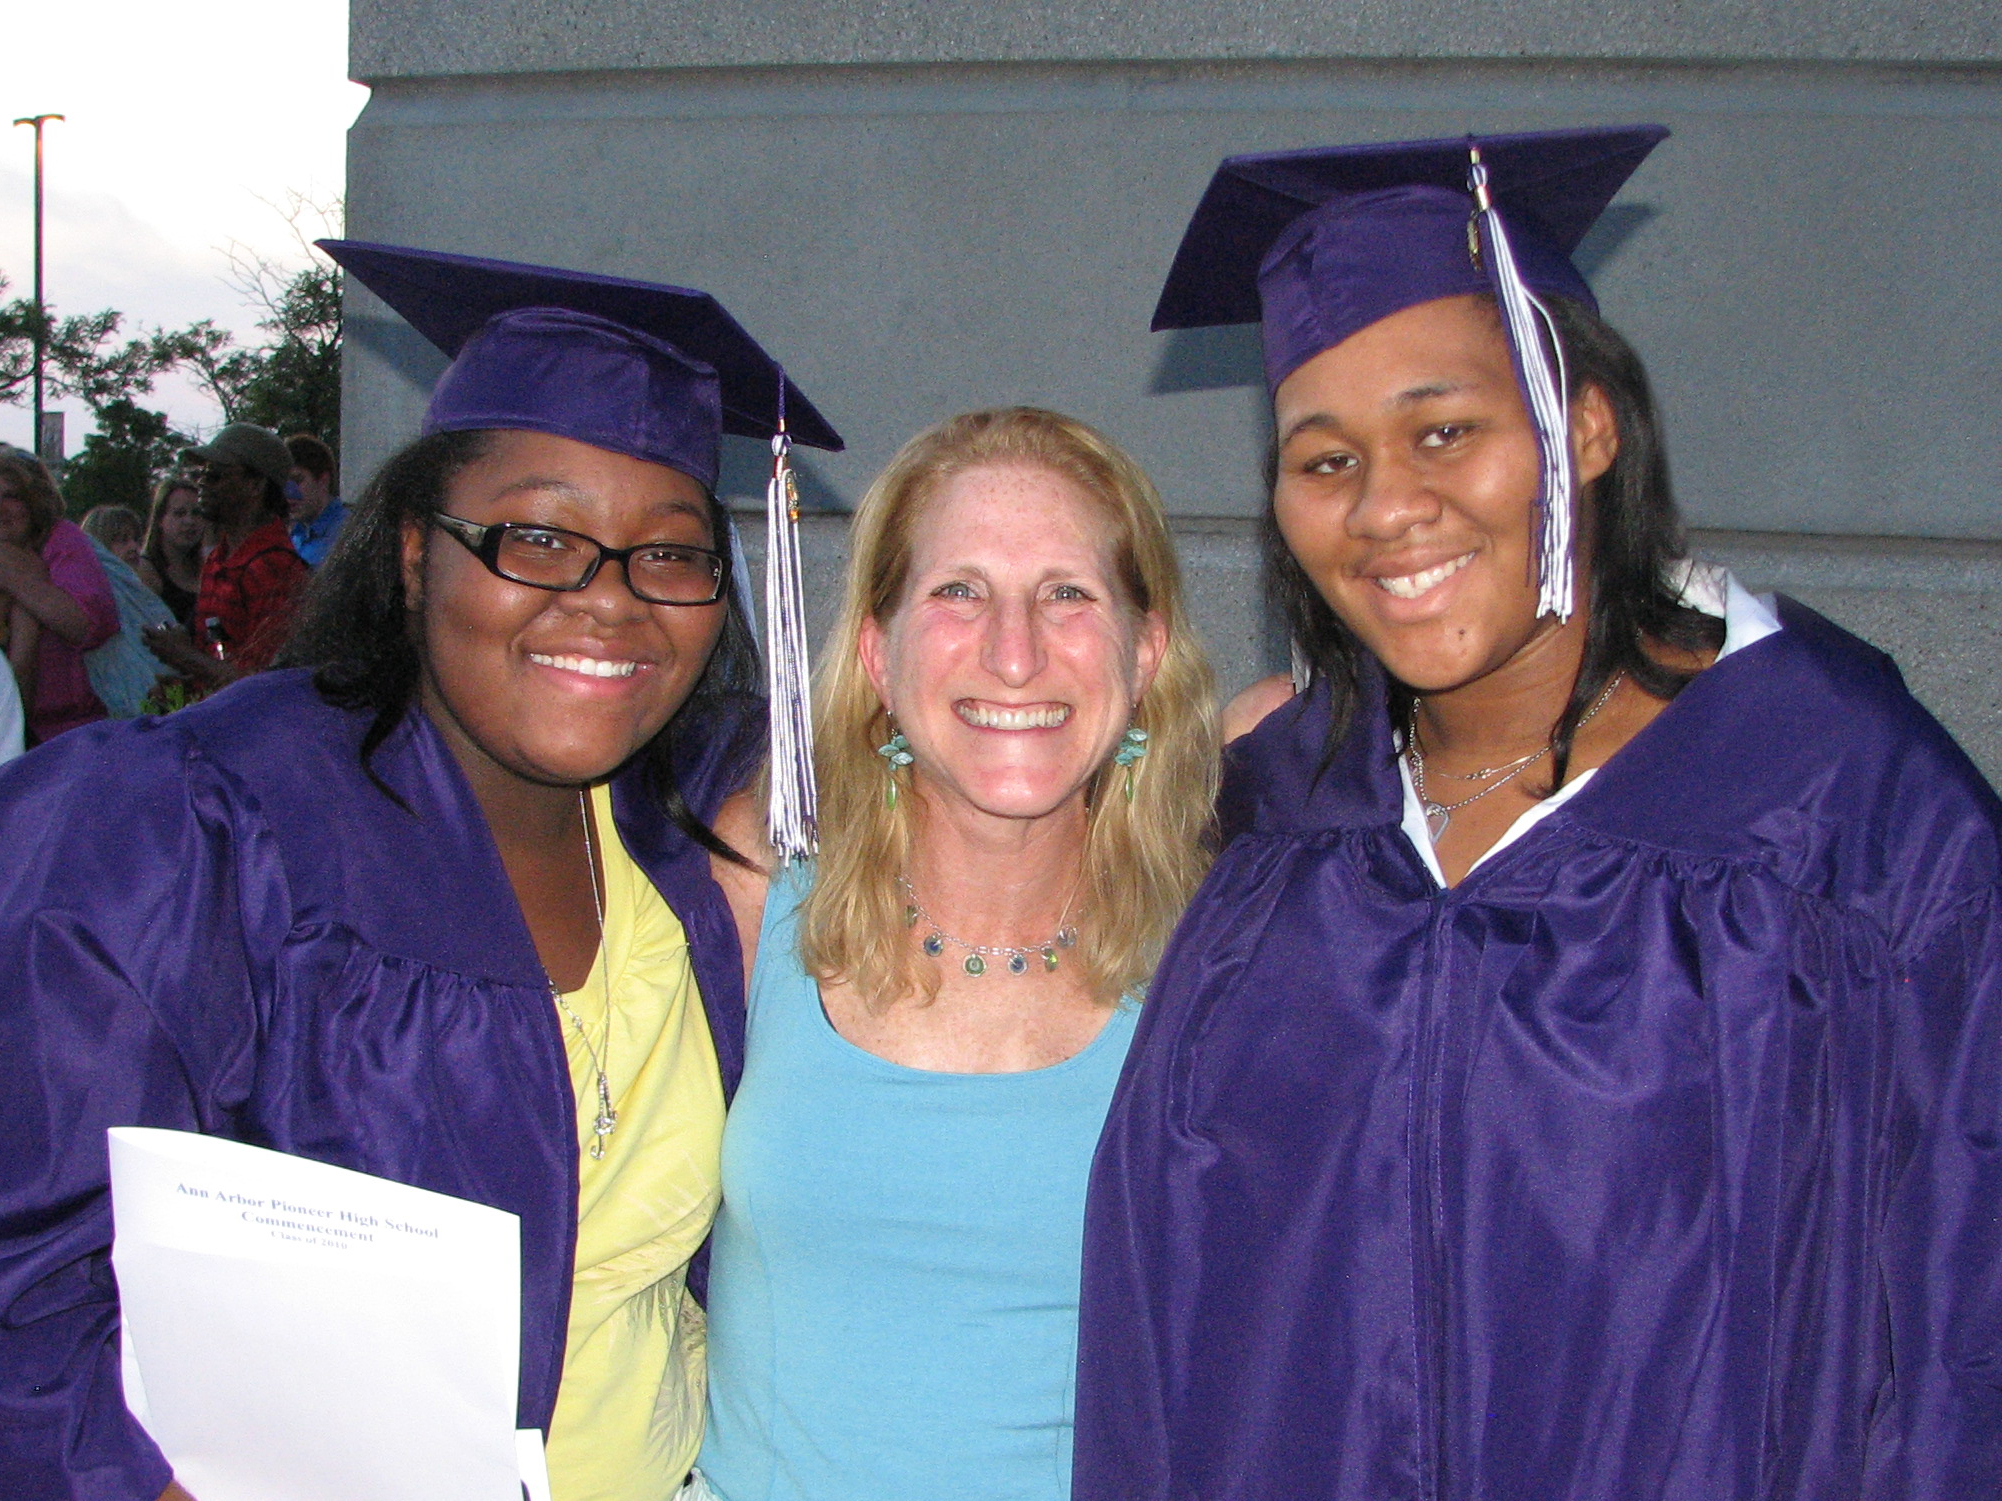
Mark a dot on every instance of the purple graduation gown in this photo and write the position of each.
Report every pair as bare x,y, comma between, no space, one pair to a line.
1661,1158
214,922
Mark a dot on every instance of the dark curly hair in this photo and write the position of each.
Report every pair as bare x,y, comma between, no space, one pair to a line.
1637,539
353,625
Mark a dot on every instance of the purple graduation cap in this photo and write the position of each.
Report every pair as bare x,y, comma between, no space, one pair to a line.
1316,245
656,372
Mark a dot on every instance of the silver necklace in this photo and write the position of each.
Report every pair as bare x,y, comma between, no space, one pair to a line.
975,964
1489,771
1439,815
607,1117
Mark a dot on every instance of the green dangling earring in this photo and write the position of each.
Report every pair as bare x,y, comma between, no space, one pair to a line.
1132,746
897,752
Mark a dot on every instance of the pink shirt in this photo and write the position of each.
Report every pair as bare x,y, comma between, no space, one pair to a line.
63,699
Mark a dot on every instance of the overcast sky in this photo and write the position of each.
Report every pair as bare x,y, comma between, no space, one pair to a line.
186,123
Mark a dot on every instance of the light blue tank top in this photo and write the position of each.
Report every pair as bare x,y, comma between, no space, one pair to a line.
893,1297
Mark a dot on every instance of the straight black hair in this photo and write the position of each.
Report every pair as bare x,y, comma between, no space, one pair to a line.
354,630
1636,542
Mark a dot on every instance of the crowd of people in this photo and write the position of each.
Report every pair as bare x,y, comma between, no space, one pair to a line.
1546,1048
115,614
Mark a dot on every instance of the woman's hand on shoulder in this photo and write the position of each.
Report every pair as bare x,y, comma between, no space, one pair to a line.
1248,710
740,823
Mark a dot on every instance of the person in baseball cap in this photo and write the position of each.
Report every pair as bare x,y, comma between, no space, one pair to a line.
250,447
252,576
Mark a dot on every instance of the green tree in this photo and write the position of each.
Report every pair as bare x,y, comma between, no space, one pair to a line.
293,383
119,463
290,382
86,360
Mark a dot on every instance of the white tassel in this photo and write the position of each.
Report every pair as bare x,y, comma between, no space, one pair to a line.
1299,665
792,825
1526,319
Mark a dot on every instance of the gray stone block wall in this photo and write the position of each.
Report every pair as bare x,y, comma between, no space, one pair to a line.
925,206
1812,265
413,38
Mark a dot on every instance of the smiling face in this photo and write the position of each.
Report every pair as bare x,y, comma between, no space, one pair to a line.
556,689
1407,484
1014,658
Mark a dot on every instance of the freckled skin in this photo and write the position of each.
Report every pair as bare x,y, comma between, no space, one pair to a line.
1013,603
1012,600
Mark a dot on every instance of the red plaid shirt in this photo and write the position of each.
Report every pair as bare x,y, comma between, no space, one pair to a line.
250,591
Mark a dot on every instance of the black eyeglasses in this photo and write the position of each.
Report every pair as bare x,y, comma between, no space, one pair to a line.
548,557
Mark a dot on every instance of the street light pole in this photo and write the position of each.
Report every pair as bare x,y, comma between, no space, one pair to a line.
41,307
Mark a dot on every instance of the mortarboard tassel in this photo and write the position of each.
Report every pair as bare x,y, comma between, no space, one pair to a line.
1526,319
791,826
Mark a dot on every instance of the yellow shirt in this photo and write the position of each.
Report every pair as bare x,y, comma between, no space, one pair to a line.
629,1411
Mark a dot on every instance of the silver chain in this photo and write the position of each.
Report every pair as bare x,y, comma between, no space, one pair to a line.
975,964
607,1117
1442,812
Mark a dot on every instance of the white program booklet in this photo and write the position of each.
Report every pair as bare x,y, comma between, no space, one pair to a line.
300,1332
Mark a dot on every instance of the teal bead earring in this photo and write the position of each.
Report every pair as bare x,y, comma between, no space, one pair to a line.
896,751
1132,746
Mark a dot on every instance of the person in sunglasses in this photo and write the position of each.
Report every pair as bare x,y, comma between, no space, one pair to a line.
434,899
251,579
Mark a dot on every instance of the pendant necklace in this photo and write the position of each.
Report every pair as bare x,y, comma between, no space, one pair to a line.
975,964
607,1117
1439,815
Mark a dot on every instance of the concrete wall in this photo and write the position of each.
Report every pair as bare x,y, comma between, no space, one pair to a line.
923,208
1811,264
431,38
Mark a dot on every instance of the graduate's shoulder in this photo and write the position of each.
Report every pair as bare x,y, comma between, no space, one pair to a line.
1806,753
1291,773
1844,709
268,743
270,721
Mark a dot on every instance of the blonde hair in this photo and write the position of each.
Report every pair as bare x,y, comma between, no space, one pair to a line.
112,524
1143,858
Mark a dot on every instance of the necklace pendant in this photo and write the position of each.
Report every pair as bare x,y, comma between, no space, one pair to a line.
975,965
1018,963
601,1128
1436,819
934,944
1049,958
